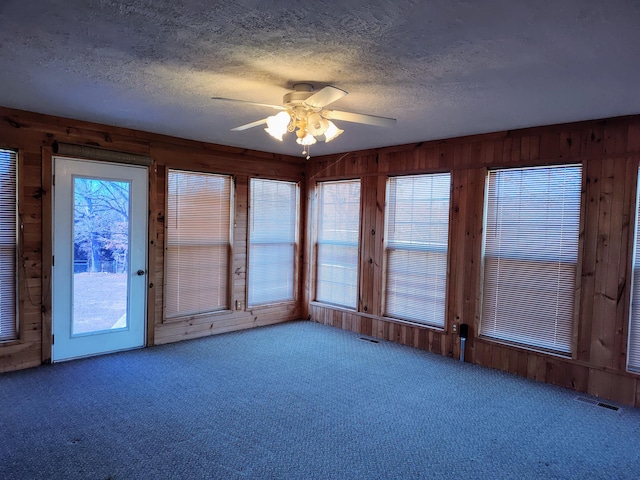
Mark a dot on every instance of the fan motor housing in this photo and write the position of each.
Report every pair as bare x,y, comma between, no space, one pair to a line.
301,92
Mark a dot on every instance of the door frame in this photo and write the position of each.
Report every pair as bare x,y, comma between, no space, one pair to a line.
47,181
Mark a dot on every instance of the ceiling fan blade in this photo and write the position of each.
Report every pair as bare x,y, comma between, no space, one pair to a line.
324,97
275,107
359,118
249,125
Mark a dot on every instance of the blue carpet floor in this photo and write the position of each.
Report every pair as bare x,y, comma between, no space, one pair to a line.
301,401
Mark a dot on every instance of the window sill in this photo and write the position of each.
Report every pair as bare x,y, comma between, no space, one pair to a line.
197,316
10,343
526,348
414,323
397,321
263,306
315,303
635,373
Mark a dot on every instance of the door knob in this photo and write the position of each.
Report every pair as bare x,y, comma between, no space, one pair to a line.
140,272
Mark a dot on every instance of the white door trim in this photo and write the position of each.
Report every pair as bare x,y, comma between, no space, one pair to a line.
131,334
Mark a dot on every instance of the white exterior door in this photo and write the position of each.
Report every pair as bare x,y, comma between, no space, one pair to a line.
100,255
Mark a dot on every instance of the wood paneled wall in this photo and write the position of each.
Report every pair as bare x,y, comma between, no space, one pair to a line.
166,157
33,135
609,151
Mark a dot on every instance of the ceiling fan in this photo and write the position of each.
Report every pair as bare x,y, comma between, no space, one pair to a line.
303,112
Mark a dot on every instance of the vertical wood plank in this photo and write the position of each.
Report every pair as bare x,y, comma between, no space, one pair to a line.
599,383
601,336
455,280
578,377
151,256
623,389
432,157
378,257
369,236
446,155
550,145
47,255
556,373
532,366
160,209
618,278
525,150
505,356
513,361
473,251
592,174
592,141
633,137
523,358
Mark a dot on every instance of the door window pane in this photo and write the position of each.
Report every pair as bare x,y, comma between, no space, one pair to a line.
100,254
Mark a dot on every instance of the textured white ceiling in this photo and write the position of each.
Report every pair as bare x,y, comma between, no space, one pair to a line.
442,68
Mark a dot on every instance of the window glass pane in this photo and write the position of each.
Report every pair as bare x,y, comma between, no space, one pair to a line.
337,243
417,226
272,241
8,314
197,243
530,256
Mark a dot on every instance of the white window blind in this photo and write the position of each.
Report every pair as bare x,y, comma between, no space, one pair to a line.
530,256
337,242
8,314
417,233
197,243
272,240
633,349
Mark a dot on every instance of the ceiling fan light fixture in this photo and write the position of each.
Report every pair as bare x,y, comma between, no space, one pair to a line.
274,134
303,112
277,125
316,124
308,139
332,131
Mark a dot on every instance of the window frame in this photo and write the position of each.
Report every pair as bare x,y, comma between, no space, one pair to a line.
572,353
632,329
316,244
16,336
229,280
387,249
296,245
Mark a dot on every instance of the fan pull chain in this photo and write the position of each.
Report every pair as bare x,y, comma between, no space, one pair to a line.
307,152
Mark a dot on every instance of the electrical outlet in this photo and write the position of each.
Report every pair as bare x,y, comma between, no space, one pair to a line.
238,304
454,328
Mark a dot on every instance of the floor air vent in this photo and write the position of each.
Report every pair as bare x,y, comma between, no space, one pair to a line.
596,403
370,340
610,407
